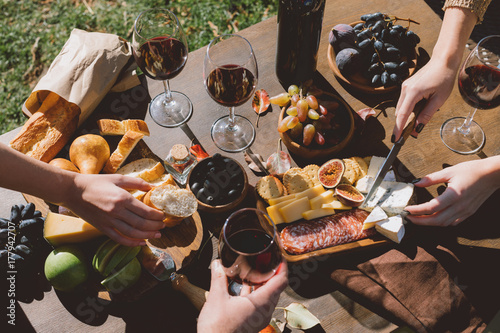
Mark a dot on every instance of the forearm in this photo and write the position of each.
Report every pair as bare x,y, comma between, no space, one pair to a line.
21,173
491,170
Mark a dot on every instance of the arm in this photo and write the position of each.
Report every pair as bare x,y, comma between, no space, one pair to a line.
101,200
469,185
435,80
249,313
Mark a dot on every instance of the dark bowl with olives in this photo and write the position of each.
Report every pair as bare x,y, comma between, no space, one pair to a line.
219,183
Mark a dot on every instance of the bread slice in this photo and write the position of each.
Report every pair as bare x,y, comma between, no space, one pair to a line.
176,203
165,179
49,128
117,127
124,148
147,169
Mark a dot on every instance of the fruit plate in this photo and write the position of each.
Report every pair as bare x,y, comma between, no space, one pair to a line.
344,118
357,80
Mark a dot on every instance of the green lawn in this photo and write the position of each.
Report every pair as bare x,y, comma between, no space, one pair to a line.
34,31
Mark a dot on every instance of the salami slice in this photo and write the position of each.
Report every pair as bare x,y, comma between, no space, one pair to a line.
307,236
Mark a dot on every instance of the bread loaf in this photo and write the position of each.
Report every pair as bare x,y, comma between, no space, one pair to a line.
48,129
124,148
117,127
176,203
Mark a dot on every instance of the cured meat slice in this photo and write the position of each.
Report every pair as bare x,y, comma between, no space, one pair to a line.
307,236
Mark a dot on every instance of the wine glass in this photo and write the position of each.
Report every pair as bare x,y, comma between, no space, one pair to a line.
248,247
230,75
479,85
160,50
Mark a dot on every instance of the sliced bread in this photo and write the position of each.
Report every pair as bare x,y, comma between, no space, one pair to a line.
147,169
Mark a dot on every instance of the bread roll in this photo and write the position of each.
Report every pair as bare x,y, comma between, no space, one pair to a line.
124,148
165,179
176,203
117,127
147,169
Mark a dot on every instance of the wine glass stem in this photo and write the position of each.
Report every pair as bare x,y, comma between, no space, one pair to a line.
168,93
231,119
465,128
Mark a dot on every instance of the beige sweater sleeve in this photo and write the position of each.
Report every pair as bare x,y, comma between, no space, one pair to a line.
478,7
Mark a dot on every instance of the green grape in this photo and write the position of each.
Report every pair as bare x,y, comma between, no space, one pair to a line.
312,101
302,108
309,131
312,114
283,125
292,122
281,99
292,111
293,89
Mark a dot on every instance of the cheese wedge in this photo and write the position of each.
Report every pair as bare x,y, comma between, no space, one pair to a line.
392,197
311,192
375,216
315,213
274,201
335,204
293,211
392,228
62,229
323,198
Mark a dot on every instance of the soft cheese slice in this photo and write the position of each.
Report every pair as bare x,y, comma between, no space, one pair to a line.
375,216
323,198
293,211
392,228
365,184
392,197
62,229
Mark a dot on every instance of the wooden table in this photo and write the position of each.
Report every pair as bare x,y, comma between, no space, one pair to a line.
169,311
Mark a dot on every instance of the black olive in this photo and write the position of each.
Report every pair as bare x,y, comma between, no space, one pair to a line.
195,188
210,200
28,211
233,194
210,164
216,156
24,240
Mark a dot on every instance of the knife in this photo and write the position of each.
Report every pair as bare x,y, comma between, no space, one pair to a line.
389,160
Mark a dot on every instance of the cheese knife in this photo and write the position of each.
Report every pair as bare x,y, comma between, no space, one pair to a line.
389,160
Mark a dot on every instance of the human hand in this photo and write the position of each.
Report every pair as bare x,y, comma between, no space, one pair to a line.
249,312
103,201
469,185
433,82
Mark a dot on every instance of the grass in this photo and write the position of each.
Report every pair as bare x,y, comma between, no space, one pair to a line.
34,31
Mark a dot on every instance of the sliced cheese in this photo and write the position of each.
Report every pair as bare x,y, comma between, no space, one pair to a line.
293,211
335,204
62,229
274,213
323,198
311,192
375,216
274,201
375,165
392,228
315,213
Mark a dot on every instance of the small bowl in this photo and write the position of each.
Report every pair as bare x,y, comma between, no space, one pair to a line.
345,114
357,80
219,183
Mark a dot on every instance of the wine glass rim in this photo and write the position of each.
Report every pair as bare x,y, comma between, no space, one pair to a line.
275,232
475,51
250,56
176,30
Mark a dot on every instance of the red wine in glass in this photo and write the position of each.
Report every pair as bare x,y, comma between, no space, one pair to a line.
162,58
479,86
230,85
250,256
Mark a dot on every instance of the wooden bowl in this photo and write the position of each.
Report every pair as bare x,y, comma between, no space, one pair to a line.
202,206
357,80
344,113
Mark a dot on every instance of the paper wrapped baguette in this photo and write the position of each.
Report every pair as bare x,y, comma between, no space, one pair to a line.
176,203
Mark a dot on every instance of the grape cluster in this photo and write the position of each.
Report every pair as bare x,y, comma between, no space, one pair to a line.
306,120
379,46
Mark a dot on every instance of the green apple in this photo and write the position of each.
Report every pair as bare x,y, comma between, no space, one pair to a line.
124,278
66,267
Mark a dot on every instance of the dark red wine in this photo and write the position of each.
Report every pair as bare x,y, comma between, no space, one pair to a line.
480,86
230,85
258,265
161,58
299,33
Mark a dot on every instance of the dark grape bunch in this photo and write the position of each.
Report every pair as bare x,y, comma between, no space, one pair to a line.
378,48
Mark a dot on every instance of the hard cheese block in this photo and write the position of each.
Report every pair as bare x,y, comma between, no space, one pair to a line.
62,229
392,228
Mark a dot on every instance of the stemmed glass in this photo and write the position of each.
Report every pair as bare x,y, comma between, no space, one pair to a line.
478,83
230,74
161,51
248,247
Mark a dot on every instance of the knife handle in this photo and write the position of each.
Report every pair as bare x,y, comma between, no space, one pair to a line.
410,124
196,295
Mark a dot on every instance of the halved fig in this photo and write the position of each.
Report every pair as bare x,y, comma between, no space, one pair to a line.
349,195
331,172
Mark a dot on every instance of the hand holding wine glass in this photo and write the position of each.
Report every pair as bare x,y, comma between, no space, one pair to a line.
160,50
479,85
230,74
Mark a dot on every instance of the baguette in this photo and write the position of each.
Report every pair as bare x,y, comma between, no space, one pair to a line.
147,169
117,127
124,148
49,128
176,203
165,179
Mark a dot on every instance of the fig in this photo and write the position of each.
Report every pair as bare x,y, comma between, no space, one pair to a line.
349,195
331,172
